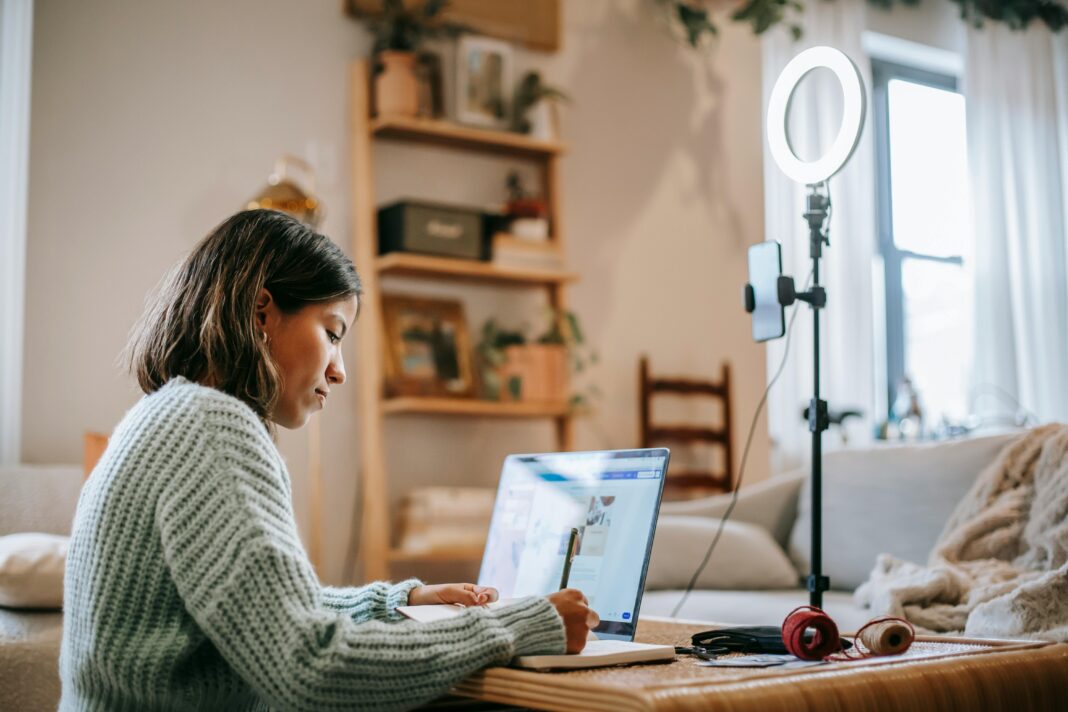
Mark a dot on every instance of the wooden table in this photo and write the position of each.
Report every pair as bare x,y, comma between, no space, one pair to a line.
935,674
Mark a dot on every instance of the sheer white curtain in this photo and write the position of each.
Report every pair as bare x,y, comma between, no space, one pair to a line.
1016,91
846,325
16,38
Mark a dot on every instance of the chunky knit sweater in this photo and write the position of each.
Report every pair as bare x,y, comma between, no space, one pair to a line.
187,587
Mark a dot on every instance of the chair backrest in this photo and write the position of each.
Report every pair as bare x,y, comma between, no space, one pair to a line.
93,447
689,483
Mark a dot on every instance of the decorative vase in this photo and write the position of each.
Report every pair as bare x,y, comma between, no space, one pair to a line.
544,121
396,85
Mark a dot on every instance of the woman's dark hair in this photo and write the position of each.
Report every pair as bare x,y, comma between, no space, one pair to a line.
201,323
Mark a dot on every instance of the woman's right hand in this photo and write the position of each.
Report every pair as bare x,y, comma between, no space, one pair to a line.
579,620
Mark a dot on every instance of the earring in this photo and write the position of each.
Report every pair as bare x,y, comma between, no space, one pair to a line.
263,337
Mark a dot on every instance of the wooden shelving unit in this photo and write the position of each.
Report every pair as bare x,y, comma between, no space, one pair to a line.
448,555
402,264
444,133
472,407
374,409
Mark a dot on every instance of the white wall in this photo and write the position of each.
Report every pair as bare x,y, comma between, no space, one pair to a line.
153,121
935,23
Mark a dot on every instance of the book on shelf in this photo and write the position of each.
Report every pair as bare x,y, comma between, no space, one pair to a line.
446,519
520,253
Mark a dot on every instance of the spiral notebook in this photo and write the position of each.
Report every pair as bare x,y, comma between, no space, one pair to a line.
597,653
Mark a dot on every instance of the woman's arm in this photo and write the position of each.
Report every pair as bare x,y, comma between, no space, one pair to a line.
232,548
374,601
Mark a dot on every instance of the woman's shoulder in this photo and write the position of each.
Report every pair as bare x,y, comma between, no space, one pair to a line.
187,405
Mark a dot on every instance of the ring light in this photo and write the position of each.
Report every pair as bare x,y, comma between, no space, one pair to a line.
854,106
815,175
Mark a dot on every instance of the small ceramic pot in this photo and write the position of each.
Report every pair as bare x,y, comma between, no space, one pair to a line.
396,85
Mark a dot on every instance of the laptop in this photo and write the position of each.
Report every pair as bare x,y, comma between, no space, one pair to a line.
611,497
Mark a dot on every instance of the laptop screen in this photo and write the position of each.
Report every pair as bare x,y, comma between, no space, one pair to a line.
610,497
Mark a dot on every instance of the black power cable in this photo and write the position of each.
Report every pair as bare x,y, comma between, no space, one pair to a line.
741,467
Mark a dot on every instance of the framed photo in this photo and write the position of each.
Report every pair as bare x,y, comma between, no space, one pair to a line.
484,82
428,350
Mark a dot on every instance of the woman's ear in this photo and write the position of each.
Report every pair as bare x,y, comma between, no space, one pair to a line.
266,311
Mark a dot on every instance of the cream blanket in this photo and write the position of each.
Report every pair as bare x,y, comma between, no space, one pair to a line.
1000,566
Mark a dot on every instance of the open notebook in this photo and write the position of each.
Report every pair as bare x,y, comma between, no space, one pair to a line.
597,653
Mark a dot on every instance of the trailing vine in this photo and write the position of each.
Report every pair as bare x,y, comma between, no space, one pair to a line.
693,18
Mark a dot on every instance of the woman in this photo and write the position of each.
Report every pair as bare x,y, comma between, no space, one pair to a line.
186,584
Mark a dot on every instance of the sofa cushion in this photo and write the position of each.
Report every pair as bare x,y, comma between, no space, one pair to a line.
31,570
746,557
770,503
753,607
893,499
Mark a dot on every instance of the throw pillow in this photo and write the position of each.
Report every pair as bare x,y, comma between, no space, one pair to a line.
746,556
893,499
31,570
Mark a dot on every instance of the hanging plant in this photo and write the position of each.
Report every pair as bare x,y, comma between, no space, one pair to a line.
693,18
400,28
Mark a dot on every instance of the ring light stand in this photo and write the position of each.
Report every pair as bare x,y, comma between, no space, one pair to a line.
814,175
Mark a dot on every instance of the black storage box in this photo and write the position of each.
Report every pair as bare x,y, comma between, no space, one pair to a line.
431,229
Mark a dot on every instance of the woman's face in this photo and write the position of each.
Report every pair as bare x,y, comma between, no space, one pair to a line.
306,347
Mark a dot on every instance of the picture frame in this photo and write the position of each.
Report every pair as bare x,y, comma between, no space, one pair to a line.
428,347
484,83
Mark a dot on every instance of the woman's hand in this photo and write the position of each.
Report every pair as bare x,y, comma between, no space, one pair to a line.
466,594
579,620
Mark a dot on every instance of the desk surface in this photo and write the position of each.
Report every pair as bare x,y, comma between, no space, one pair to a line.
935,674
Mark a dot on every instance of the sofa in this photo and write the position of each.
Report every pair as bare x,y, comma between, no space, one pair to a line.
35,499
887,499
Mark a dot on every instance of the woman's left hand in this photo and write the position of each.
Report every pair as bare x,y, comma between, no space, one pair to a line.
466,594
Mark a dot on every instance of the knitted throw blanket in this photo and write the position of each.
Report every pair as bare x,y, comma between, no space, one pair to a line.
1000,566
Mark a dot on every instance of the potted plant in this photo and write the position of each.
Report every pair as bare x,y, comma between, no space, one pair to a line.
398,33
536,108
498,382
515,368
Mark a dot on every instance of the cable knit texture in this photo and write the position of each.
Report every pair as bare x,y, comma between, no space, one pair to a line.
187,587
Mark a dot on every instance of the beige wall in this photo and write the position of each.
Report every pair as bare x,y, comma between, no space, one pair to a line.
152,121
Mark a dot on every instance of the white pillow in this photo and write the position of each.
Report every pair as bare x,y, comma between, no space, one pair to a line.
892,499
31,570
746,556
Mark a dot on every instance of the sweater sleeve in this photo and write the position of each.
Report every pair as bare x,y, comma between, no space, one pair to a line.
378,600
231,545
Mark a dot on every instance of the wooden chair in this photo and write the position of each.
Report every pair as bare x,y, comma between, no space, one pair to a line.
689,483
93,446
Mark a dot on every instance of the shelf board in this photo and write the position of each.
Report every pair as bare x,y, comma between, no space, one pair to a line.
439,555
404,264
446,133
472,407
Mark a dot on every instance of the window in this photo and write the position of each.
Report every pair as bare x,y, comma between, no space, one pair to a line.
924,235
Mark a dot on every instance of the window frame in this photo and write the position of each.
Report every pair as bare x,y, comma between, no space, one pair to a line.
883,72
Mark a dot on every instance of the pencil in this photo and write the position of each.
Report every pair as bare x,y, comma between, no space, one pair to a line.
569,557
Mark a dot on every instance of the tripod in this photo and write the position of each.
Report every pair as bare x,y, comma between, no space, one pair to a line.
817,210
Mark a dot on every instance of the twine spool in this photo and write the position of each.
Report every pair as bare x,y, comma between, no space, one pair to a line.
887,636
825,639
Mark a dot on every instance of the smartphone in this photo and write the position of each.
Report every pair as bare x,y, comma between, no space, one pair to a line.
765,267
